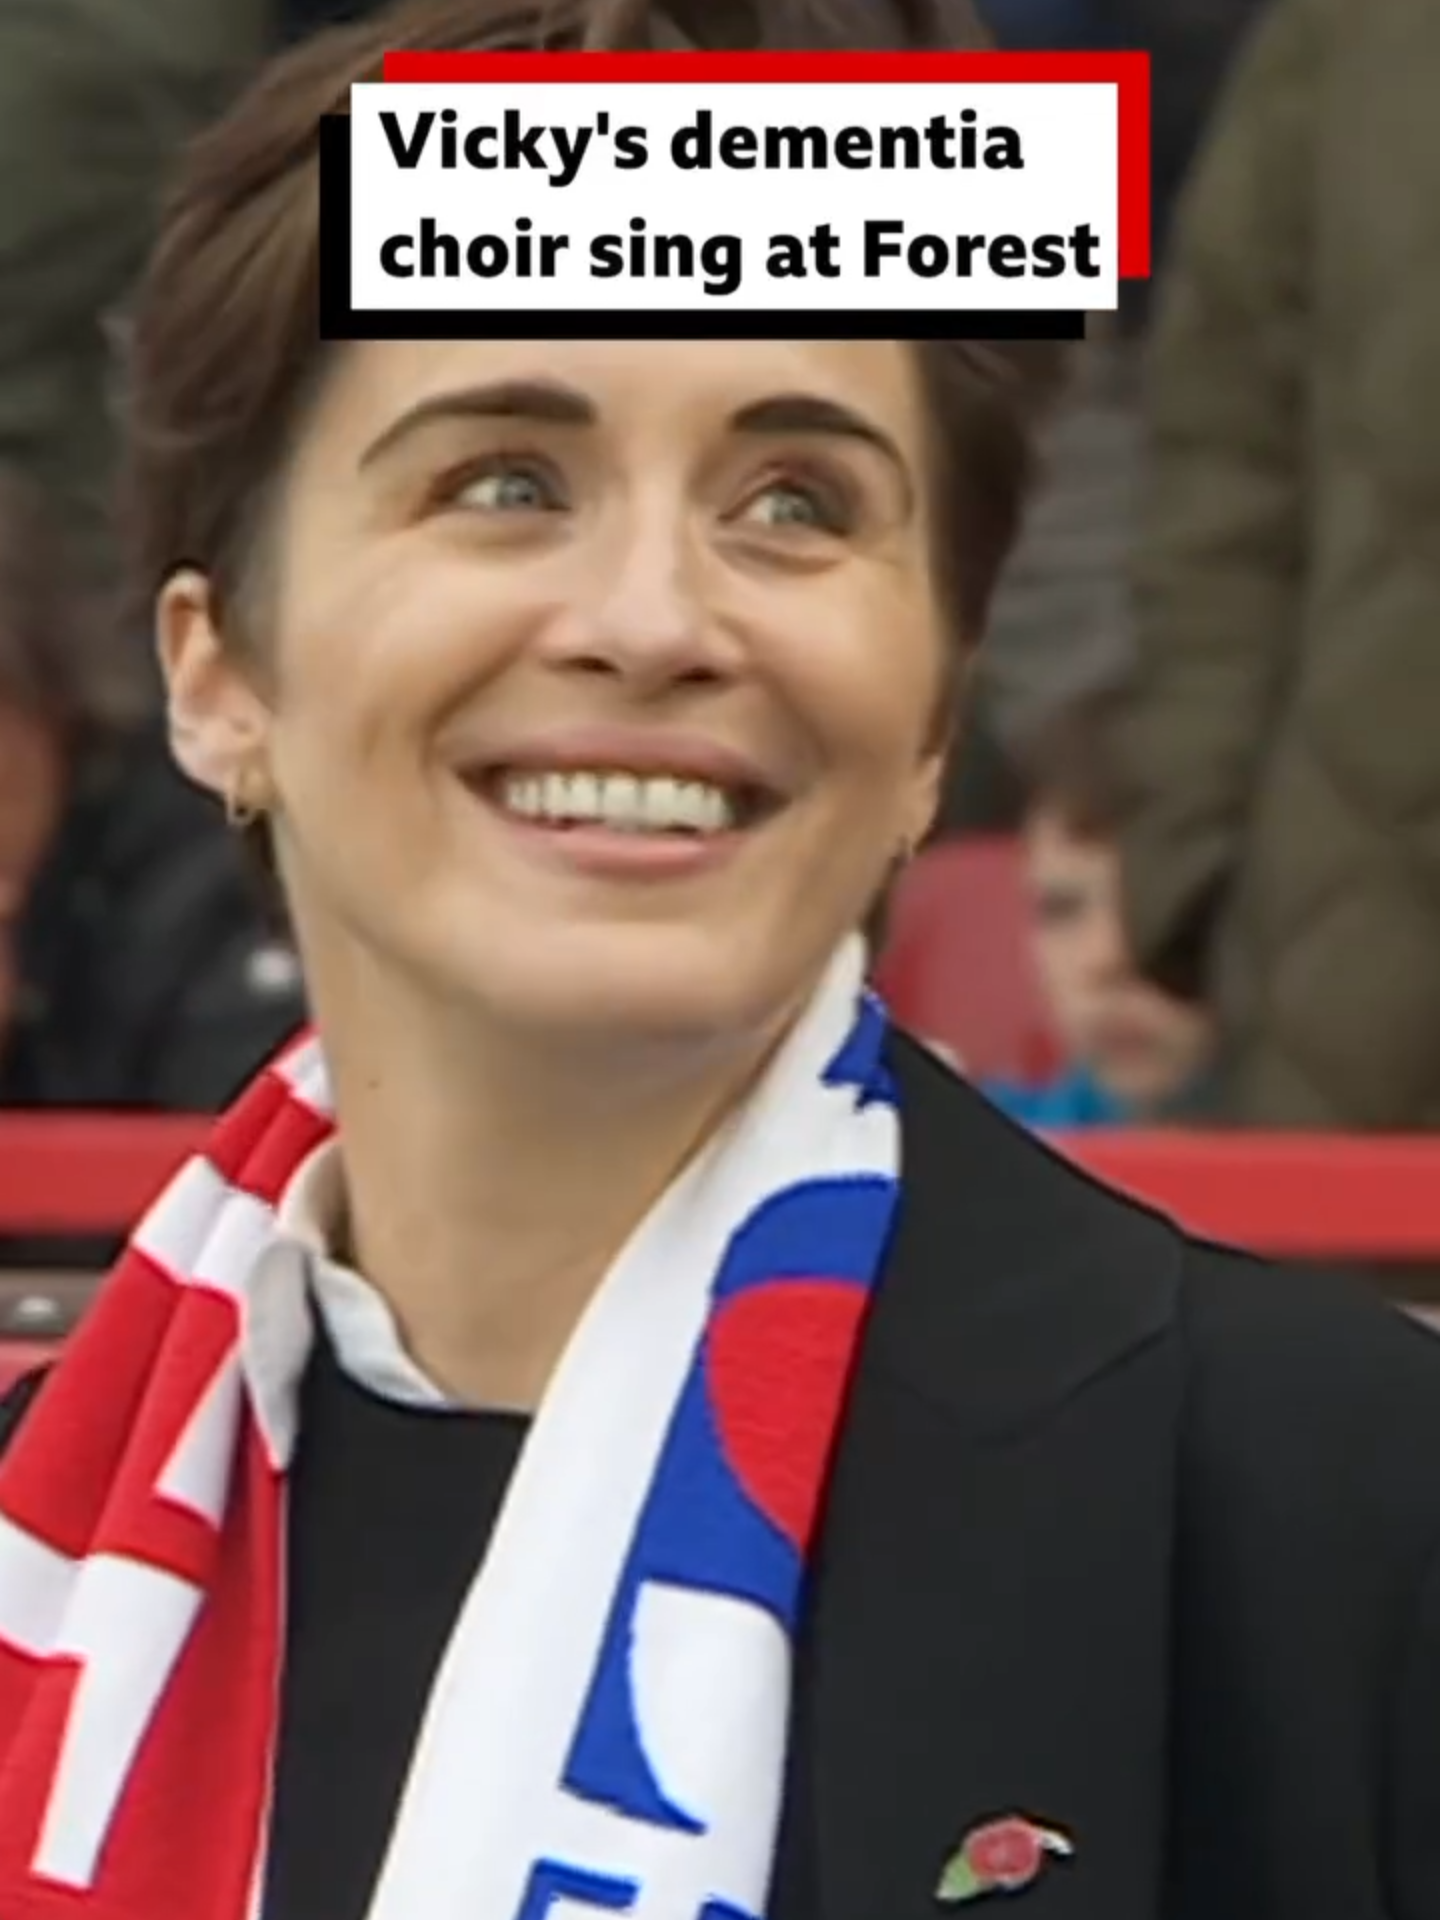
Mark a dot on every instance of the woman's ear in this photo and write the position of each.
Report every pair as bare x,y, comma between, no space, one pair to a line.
219,725
951,705
923,803
927,789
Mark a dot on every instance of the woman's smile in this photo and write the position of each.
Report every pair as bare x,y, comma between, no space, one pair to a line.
628,805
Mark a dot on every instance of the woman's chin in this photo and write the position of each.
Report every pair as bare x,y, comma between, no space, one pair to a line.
638,983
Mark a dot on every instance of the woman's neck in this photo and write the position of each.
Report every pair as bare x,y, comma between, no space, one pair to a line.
490,1187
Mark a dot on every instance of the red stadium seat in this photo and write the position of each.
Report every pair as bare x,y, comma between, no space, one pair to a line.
956,963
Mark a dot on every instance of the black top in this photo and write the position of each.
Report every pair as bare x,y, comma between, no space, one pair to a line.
1125,1533
391,1512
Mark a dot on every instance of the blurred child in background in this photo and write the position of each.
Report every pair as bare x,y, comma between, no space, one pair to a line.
1130,1055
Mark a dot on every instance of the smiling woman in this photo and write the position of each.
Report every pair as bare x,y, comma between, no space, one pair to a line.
609,1424
498,561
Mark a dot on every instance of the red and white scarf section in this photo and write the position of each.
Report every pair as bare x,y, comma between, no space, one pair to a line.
608,1725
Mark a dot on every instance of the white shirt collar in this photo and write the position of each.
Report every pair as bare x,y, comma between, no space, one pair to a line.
357,1317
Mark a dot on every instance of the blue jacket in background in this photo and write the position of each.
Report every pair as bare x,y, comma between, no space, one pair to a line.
1071,1100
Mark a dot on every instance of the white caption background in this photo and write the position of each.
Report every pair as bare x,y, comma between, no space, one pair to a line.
1068,134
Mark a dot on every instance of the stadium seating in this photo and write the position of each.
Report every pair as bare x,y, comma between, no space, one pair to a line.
956,965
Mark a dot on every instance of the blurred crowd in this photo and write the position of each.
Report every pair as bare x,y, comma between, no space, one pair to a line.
1204,726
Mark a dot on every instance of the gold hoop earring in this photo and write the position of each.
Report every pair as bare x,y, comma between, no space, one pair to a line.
242,810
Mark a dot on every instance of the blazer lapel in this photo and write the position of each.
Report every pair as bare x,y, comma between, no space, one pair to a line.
989,1630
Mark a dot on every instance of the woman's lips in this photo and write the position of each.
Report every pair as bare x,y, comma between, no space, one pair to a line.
608,853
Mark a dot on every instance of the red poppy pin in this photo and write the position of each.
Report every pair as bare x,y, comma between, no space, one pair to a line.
1003,1857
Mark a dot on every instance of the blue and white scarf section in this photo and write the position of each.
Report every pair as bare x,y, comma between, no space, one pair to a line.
608,1730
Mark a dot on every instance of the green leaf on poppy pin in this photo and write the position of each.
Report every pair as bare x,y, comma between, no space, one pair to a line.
958,1882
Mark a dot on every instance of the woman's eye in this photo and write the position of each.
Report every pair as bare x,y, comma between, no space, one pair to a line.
508,487
793,503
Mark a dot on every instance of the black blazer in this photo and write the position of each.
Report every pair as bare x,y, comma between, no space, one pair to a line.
1132,1536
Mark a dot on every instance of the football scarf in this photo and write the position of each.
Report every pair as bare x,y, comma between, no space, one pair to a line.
608,1726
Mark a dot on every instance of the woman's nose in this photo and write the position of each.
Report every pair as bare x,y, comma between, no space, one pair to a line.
643,617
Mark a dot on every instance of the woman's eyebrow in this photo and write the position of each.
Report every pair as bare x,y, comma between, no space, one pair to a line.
546,401
809,413
551,403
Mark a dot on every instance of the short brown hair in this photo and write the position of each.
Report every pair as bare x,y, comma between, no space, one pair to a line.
1069,765
224,346
62,659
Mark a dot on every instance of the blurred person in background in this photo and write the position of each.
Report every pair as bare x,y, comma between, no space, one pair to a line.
1193,45
1130,1054
96,99
137,968
1062,619
1282,832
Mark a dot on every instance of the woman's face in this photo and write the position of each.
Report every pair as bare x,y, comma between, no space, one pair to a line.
604,676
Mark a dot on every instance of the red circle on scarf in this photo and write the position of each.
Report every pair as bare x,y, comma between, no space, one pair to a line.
777,1366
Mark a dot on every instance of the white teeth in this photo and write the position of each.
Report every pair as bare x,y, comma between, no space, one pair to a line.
623,801
660,804
523,796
